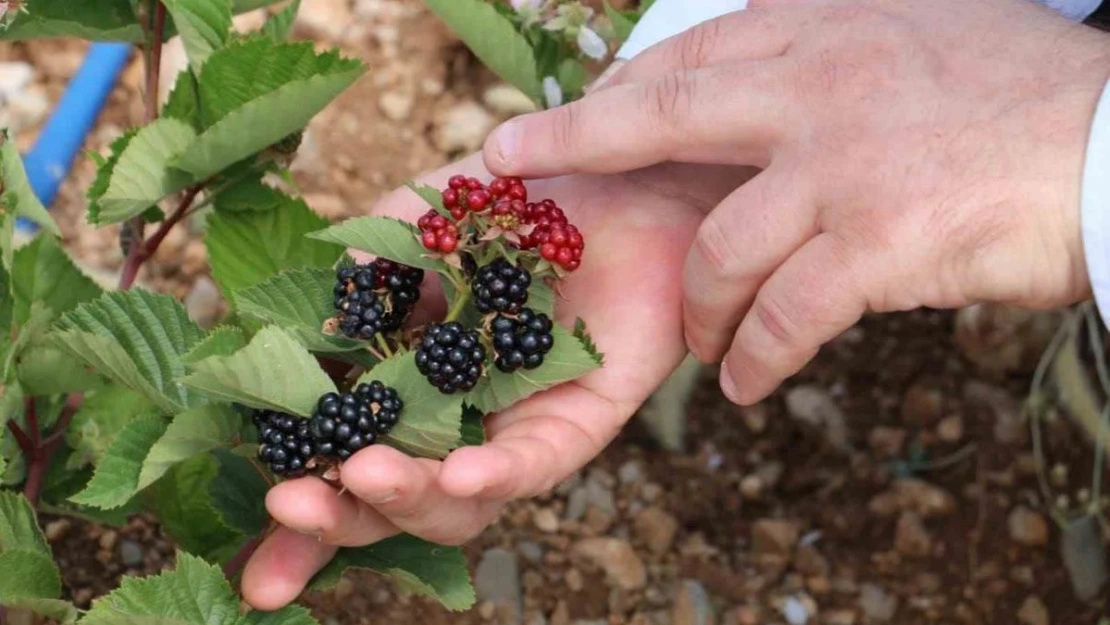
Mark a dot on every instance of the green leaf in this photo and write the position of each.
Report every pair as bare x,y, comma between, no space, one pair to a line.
246,248
417,565
185,511
142,175
136,338
387,237
45,370
430,421
622,24
251,195
239,494
255,92
572,76
299,300
183,103
19,529
102,415
190,434
431,195
566,361
195,593
203,25
473,430
116,479
541,298
222,341
583,335
16,195
43,272
28,575
279,24
98,20
38,322
494,40
273,371
104,169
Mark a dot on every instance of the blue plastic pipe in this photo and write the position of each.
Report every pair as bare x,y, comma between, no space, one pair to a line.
52,156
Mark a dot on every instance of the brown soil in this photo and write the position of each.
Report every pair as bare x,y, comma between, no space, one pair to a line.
912,404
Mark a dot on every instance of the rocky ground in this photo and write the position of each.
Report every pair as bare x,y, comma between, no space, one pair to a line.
893,481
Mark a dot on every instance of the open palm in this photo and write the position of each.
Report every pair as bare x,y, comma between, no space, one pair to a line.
638,229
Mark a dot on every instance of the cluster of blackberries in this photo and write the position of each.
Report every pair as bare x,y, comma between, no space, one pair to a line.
375,297
342,424
499,287
521,343
451,357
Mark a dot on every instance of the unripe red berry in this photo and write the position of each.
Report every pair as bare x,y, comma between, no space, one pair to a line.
448,242
450,198
478,200
457,182
474,184
429,239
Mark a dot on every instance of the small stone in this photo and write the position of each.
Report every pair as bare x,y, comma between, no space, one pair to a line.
108,539
530,550
574,581
1033,611
546,520
15,76
561,614
809,561
656,528
755,418
1010,427
751,487
395,105
1027,527
910,536
507,100
497,581
916,495
597,520
130,553
775,537
617,558
814,406
745,615
876,604
56,529
326,204
204,303
577,503
630,473
794,611
922,404
463,128
951,429
839,617
887,441
692,605
651,492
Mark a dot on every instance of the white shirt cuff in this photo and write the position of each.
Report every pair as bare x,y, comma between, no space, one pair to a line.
1095,205
1077,10
667,18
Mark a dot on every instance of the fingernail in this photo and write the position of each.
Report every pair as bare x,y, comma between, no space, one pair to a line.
605,76
506,143
728,385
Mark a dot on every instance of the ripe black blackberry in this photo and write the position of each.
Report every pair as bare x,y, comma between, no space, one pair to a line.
344,424
451,357
286,442
523,342
361,312
401,287
501,287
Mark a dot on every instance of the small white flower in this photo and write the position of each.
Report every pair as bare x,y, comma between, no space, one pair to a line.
521,6
591,44
552,92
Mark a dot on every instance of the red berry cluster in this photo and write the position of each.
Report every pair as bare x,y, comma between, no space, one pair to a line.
541,226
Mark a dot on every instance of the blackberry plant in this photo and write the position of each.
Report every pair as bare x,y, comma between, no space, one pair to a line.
113,401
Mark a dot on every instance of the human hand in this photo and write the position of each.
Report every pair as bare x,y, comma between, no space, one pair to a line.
627,289
913,154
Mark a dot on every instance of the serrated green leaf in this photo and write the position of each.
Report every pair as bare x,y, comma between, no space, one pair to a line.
203,25
239,494
18,527
104,169
102,415
31,332
583,335
273,371
45,370
387,237
98,20
430,422
250,195
42,272
142,176
567,360
191,433
255,92
183,102
247,248
426,568
116,479
299,300
242,6
195,593
16,195
279,24
185,511
494,40
431,195
28,575
622,24
136,338
541,298
222,341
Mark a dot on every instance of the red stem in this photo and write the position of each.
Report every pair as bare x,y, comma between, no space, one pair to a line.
154,69
141,252
25,443
43,452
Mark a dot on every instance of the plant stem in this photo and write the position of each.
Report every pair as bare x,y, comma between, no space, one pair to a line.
32,421
460,304
154,61
24,441
142,251
382,343
38,461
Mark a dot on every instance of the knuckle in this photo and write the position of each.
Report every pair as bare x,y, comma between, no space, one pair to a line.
697,43
565,128
714,245
669,100
775,321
